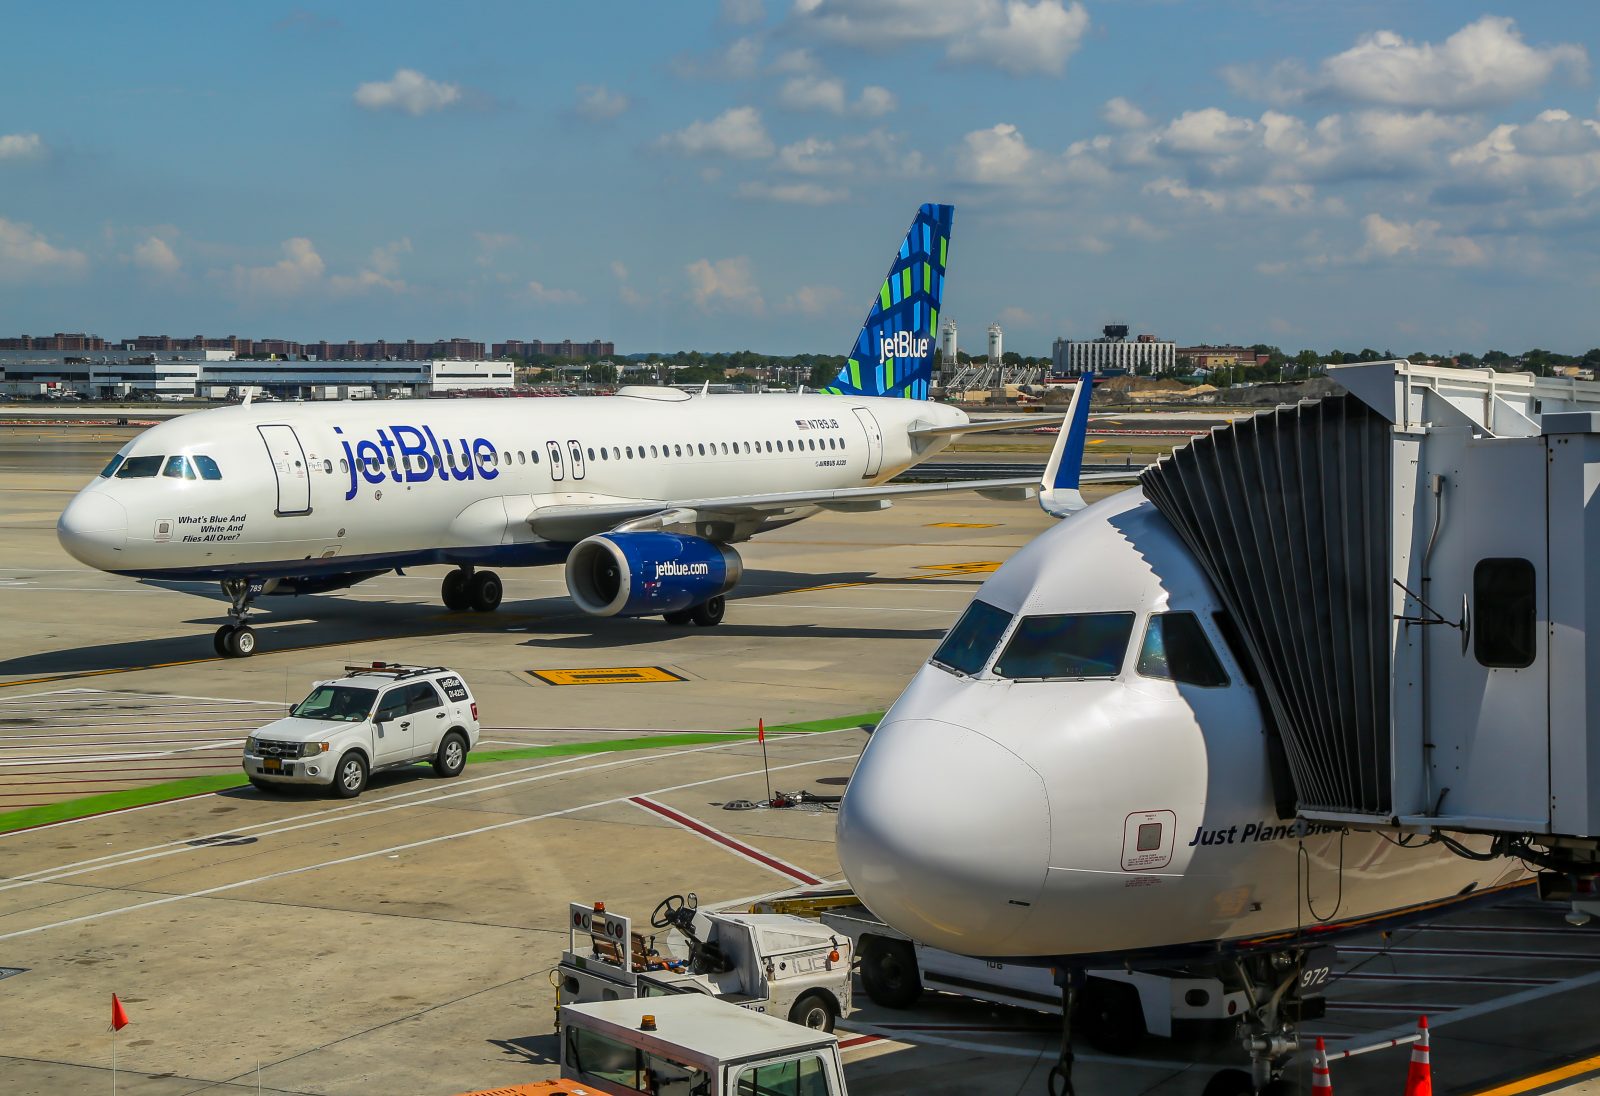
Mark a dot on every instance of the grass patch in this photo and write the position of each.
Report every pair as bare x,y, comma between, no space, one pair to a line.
83,807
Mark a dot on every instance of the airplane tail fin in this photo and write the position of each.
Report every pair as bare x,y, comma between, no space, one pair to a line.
1058,487
893,355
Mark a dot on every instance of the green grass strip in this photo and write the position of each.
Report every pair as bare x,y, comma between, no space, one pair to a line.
69,809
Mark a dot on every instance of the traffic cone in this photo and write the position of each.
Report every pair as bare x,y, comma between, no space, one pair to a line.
1419,1078
1321,1080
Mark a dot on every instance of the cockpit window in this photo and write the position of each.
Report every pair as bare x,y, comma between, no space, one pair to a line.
105,473
1075,645
208,467
178,467
1176,649
973,639
140,467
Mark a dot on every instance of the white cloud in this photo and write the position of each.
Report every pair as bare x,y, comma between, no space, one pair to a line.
1122,114
598,103
810,91
1386,239
539,293
409,91
21,146
1554,153
1207,132
490,244
813,300
1018,36
737,132
1486,63
26,256
156,255
1028,38
794,193
794,61
810,156
619,270
1281,198
994,156
742,11
1014,316
738,61
724,283
300,269
380,272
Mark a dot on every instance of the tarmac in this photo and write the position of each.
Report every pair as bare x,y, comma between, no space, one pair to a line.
403,942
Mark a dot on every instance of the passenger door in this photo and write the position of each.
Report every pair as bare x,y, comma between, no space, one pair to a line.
553,449
428,718
392,731
874,432
576,452
289,465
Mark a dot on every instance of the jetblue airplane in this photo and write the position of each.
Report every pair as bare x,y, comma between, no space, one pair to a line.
642,494
1078,779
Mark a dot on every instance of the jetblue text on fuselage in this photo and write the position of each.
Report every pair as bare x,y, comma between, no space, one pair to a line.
902,344
411,454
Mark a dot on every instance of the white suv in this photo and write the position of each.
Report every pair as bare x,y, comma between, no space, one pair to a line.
375,717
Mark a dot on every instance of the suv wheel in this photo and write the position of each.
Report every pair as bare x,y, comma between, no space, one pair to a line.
452,755
350,778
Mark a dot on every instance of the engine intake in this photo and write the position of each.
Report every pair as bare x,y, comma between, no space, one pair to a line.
645,574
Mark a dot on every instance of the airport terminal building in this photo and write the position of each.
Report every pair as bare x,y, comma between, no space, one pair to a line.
217,374
1114,352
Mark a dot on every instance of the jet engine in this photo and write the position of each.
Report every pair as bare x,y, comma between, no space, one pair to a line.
645,574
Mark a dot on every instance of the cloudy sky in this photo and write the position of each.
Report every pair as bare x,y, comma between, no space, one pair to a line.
735,175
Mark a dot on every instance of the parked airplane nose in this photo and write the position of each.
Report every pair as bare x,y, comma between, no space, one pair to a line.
93,528
945,835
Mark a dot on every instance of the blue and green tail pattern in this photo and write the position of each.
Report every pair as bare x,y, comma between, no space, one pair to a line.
893,355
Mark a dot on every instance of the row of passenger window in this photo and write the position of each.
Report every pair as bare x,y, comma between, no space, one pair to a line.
1073,646
178,466
618,452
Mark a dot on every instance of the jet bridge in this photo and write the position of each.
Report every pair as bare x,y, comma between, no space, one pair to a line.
1408,566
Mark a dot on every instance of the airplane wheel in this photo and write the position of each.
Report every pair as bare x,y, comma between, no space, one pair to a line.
220,640
1230,1082
678,616
484,591
889,972
242,643
709,614
453,592
1112,1018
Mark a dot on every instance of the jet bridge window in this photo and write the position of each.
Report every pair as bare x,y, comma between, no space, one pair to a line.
1176,649
1506,608
973,639
140,467
1072,645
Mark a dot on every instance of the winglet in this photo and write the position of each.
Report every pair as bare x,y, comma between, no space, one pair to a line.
1058,487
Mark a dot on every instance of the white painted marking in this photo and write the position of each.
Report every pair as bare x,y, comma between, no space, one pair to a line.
394,849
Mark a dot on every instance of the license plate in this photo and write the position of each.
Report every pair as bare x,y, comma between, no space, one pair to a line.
271,765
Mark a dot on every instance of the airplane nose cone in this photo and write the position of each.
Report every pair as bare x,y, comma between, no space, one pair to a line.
93,528
945,835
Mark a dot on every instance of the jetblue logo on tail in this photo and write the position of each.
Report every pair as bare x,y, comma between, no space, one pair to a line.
893,354
902,344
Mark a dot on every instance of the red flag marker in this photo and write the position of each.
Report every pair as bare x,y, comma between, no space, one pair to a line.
761,737
761,730
119,1015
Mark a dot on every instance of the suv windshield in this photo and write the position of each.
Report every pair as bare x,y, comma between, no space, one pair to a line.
336,703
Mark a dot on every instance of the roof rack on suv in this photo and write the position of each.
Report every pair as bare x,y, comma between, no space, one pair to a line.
395,670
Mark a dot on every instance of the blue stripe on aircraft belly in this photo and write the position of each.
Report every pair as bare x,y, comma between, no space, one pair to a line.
500,555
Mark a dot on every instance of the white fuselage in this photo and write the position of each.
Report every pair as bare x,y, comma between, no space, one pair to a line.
309,488
1053,818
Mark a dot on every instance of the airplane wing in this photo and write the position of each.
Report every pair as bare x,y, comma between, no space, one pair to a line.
979,425
576,521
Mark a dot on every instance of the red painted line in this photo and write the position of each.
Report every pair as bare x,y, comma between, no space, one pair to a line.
859,1040
725,840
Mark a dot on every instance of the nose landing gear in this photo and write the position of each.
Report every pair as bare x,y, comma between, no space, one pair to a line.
237,639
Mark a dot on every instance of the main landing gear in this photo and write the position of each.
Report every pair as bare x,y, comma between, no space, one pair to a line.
469,588
708,614
236,639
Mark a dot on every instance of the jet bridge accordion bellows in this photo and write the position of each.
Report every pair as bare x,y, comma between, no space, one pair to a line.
1288,513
